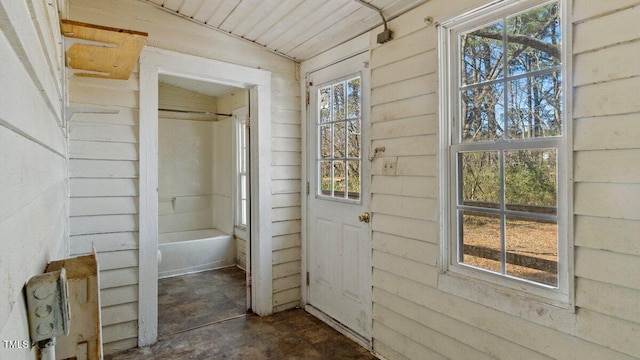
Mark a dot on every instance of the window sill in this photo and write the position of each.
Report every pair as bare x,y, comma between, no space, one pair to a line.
543,311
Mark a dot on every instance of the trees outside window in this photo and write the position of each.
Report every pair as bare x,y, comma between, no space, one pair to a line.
507,138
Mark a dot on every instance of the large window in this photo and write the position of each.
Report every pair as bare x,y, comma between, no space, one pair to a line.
507,143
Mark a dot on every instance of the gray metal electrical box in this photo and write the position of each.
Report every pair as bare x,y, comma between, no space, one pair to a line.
47,305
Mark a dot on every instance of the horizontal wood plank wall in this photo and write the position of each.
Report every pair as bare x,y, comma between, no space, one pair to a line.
170,32
103,175
33,148
415,320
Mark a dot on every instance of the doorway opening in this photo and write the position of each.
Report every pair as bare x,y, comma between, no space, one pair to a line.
155,63
202,203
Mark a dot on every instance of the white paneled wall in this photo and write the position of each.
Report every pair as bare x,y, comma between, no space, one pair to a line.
170,32
33,160
103,175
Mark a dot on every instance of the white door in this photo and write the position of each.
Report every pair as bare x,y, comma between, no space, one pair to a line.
339,235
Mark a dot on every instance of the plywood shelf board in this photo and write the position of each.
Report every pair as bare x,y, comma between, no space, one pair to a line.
115,60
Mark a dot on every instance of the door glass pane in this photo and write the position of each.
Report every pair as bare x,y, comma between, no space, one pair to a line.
532,249
325,141
353,98
339,101
324,104
339,134
339,140
353,139
480,240
353,179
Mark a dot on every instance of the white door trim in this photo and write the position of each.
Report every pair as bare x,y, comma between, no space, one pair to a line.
335,55
154,61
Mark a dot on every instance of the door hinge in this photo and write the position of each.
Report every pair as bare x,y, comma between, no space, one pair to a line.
308,188
248,123
249,281
308,98
307,278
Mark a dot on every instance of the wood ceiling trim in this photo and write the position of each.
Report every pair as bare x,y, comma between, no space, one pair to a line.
115,60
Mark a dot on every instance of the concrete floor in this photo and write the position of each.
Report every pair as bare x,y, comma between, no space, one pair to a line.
193,328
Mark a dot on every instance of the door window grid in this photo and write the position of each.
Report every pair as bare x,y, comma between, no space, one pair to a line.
505,146
339,139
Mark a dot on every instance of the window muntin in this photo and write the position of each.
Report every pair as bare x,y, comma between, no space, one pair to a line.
339,150
505,145
242,169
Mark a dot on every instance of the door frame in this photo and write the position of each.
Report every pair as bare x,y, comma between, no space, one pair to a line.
354,47
155,61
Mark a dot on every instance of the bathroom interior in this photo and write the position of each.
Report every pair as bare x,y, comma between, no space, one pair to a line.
202,203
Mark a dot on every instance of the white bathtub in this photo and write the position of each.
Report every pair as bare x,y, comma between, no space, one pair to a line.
191,251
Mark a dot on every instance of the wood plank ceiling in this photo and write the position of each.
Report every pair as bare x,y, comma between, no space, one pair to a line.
298,29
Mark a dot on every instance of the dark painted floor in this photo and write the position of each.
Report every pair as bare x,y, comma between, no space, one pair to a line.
193,300
292,334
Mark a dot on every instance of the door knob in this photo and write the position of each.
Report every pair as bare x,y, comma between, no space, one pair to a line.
364,217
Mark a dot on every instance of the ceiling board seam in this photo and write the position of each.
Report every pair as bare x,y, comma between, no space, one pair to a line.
222,31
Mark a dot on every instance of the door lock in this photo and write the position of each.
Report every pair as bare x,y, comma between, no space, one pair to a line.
364,217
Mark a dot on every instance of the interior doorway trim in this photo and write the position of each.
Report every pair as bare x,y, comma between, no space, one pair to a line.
154,61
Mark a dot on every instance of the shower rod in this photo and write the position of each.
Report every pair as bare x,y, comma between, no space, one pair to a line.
195,112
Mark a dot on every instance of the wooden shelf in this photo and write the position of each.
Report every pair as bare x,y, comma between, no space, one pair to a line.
102,51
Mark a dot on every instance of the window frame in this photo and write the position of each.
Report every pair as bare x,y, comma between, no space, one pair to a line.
450,72
241,170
